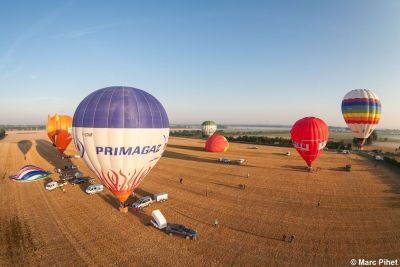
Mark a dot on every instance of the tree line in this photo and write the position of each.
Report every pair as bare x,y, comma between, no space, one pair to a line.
257,140
2,133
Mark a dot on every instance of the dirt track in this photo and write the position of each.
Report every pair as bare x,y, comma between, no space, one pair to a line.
359,216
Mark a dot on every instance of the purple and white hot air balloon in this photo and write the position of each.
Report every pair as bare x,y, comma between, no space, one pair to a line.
121,133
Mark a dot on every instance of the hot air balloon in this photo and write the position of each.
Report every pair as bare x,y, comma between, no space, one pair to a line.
208,128
121,133
59,131
217,143
309,136
30,173
361,110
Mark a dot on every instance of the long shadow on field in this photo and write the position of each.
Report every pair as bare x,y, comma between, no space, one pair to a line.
142,192
181,156
193,148
338,169
24,146
227,185
143,218
228,226
47,151
113,201
392,181
296,168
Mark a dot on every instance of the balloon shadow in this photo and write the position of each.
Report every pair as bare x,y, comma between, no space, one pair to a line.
194,148
296,168
181,156
24,146
48,152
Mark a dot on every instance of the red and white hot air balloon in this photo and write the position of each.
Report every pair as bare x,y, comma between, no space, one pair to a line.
309,136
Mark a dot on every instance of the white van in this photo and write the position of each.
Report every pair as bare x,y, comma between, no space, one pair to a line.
94,188
160,197
158,220
143,202
52,185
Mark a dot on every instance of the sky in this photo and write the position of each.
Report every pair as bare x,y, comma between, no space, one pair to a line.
242,62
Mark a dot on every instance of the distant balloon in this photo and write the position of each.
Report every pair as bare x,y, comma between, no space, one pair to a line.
208,128
361,110
121,133
59,131
217,143
309,137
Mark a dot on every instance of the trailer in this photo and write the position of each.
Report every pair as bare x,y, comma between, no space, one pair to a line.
158,220
160,197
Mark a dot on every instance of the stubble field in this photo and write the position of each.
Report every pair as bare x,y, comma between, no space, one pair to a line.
359,215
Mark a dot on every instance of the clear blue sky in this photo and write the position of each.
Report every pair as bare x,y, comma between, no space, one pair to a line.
231,61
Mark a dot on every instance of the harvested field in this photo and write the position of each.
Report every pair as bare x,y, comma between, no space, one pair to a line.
359,215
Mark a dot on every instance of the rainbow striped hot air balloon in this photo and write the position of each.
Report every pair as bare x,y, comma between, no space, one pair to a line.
30,173
361,110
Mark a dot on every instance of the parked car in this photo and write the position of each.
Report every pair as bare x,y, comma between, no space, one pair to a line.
180,229
70,167
67,177
94,188
160,197
142,202
224,160
379,158
79,181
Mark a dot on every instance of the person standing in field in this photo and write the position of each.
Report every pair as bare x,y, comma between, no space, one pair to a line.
216,222
284,237
248,175
291,238
181,180
319,202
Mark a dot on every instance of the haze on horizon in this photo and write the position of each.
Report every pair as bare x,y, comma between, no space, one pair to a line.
235,62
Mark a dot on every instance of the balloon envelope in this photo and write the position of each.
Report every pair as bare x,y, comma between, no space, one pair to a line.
217,143
59,131
121,133
309,136
208,128
361,110
30,173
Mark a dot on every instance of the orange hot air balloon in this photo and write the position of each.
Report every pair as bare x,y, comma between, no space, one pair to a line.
59,131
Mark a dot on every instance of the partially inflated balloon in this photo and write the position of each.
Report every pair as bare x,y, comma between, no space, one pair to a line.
121,133
217,143
208,128
309,137
361,110
59,131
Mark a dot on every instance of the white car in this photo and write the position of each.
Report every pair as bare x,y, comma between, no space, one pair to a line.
94,188
379,158
143,202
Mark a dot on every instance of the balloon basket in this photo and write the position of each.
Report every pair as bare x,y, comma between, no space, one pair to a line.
123,209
